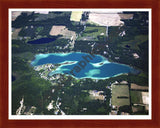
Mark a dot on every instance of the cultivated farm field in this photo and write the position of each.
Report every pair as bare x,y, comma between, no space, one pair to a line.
76,16
120,91
62,30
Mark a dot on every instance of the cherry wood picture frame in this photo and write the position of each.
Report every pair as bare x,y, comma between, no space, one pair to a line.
4,59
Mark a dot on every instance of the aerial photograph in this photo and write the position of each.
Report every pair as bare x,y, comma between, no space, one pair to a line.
79,62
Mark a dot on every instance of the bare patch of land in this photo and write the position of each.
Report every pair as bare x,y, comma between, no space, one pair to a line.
57,30
108,19
138,87
62,30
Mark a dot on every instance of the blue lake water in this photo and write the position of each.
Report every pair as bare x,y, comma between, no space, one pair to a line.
42,41
97,66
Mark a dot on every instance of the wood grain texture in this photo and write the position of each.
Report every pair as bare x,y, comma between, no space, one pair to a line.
6,4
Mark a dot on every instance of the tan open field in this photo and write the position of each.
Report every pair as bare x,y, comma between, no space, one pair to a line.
57,30
62,30
135,86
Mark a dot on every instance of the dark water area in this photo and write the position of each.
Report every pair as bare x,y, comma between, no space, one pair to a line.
42,41
136,72
13,78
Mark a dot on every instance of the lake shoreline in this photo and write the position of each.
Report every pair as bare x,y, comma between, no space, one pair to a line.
97,68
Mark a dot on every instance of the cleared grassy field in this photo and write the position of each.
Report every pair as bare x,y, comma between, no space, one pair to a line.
92,33
76,16
136,97
120,91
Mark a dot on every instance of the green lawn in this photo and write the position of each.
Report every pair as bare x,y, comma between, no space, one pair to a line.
92,33
120,91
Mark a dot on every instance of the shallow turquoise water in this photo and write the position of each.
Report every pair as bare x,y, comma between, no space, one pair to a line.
84,65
